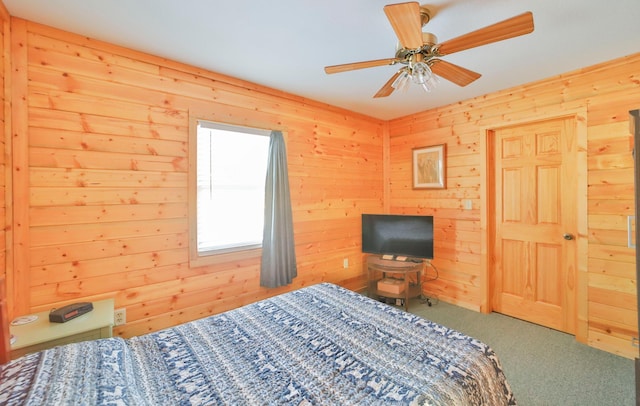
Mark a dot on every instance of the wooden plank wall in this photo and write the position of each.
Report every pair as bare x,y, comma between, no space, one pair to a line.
607,92
103,204
5,139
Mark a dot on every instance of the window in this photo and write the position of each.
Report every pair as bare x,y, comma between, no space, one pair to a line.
230,177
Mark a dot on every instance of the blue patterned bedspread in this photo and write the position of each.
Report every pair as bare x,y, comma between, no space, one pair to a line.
320,345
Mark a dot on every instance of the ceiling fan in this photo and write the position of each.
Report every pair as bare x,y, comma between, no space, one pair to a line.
420,53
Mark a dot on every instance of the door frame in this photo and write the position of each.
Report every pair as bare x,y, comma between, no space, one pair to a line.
487,196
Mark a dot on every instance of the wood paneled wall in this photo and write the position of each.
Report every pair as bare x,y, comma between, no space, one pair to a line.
606,92
5,139
101,205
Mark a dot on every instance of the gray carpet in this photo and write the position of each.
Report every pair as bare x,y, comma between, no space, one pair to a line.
543,366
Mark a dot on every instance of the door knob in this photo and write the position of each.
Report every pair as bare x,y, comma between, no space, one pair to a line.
567,236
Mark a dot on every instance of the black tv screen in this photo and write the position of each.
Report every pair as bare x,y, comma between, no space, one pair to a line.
398,235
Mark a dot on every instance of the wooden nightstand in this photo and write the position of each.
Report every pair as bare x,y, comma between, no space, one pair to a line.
42,334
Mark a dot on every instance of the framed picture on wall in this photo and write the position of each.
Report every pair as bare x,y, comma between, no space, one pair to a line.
429,167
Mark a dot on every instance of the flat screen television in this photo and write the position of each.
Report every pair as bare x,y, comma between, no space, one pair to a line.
397,235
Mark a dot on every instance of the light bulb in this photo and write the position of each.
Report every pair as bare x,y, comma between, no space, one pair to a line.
421,73
402,81
433,81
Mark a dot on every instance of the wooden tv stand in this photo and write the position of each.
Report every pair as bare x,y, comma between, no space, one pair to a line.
406,278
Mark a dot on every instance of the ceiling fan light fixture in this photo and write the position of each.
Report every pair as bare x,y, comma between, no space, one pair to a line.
432,82
429,85
402,81
421,73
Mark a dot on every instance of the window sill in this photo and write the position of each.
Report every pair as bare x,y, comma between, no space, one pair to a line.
224,257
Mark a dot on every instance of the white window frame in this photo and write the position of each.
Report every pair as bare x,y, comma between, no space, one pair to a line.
197,256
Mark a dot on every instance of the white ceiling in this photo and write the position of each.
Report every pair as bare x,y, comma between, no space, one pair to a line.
285,44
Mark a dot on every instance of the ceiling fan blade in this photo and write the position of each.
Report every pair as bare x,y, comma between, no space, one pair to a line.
359,65
387,89
454,73
406,22
509,28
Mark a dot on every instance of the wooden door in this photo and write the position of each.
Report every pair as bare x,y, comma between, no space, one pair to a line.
536,222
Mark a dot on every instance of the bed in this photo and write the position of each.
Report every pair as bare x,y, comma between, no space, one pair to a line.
319,345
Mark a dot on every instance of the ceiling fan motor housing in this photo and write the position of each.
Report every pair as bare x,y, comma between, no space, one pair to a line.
429,39
428,50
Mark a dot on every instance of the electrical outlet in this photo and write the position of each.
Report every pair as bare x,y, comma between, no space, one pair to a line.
345,263
120,316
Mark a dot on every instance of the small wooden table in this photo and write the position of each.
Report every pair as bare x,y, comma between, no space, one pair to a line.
42,334
379,269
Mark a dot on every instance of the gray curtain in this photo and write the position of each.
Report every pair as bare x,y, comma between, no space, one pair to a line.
278,266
